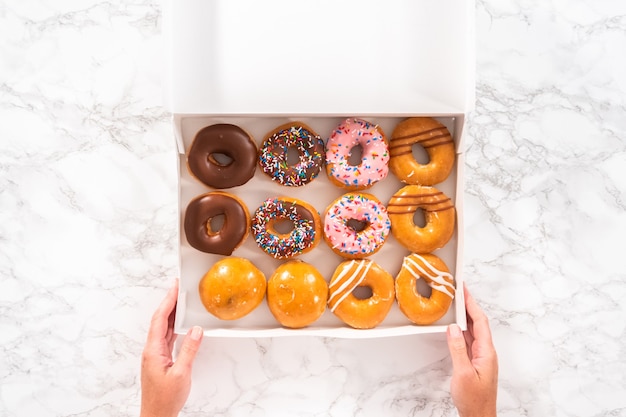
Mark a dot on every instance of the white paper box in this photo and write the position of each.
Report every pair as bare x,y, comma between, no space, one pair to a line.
258,64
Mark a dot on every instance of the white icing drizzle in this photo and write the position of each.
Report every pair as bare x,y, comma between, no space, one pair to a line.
353,281
436,276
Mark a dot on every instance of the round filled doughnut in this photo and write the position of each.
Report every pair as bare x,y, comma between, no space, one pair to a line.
439,215
199,215
274,152
417,308
436,140
232,288
227,140
356,225
296,294
305,227
361,313
350,134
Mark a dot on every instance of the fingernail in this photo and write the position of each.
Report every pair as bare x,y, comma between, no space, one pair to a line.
455,330
196,333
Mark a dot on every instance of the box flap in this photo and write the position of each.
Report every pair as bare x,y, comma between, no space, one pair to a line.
319,57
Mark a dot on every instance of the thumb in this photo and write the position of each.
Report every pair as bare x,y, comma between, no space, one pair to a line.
457,347
189,348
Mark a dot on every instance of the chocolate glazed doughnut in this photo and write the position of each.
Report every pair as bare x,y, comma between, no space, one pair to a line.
203,209
228,140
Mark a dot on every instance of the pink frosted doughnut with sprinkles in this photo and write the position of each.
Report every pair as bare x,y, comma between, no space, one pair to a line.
356,225
273,154
373,166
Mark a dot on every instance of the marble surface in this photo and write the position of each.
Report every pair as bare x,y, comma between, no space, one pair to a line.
88,211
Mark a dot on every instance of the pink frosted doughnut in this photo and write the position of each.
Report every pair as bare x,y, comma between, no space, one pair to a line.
347,241
375,156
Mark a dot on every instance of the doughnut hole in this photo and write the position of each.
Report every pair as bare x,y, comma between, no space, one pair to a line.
363,292
215,224
293,156
220,159
283,226
357,225
419,218
356,155
419,154
423,288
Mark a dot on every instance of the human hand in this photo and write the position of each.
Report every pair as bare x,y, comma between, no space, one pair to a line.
474,383
165,384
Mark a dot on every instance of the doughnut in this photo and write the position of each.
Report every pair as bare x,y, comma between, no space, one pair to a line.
361,313
229,140
296,294
273,155
305,233
417,308
372,168
203,209
436,140
439,215
344,237
232,288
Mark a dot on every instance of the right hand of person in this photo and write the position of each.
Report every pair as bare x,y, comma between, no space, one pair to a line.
474,382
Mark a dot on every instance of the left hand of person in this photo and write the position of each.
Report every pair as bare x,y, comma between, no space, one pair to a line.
165,384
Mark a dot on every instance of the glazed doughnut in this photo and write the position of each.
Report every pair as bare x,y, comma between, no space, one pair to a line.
304,236
296,294
356,312
341,235
229,140
375,155
232,288
439,215
204,208
436,140
275,148
419,309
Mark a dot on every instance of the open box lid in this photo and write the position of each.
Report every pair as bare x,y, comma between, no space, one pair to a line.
319,57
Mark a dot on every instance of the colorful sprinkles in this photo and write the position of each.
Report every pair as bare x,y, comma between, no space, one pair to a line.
366,209
274,151
302,235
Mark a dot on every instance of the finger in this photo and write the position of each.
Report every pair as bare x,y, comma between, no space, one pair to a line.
480,324
457,347
160,319
189,349
170,337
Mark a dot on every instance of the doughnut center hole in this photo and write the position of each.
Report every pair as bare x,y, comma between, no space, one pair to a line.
220,159
215,224
293,156
363,292
355,156
419,218
423,288
283,226
356,225
419,154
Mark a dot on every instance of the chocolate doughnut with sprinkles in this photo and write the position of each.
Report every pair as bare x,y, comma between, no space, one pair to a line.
274,154
305,227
